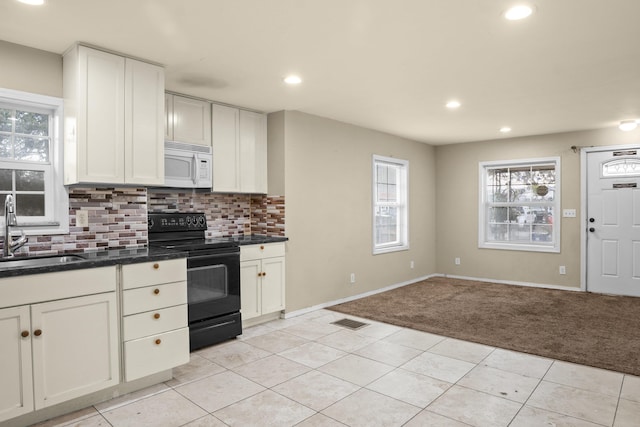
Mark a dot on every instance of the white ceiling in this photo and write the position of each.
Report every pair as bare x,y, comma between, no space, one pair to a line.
388,65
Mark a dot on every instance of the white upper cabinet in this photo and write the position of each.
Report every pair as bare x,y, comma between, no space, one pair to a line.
224,125
239,140
144,119
113,119
187,120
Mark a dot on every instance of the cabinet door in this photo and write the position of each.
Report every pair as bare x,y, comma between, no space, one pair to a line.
224,139
75,347
253,152
100,121
144,121
272,285
250,300
16,391
191,121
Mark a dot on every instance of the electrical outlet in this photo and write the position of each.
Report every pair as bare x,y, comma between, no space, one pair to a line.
82,218
457,261
563,269
411,265
352,279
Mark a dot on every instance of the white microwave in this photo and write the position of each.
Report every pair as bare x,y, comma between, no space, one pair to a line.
187,165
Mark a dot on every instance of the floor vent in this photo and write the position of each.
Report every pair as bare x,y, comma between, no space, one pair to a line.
350,323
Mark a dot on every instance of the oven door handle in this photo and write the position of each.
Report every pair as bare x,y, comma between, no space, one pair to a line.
211,256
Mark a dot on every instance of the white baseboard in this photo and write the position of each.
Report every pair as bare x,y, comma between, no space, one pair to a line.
512,282
290,314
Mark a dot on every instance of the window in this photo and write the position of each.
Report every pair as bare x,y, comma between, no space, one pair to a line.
520,205
390,225
31,161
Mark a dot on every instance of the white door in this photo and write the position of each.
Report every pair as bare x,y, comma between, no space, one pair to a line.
613,222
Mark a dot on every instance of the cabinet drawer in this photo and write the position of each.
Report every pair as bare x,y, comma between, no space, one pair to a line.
156,353
153,297
154,322
151,273
268,250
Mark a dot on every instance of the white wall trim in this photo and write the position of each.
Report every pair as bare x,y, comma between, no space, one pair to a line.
295,313
515,283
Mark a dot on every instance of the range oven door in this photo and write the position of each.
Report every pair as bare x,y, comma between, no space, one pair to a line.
213,284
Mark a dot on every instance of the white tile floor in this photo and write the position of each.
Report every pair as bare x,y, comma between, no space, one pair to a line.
305,371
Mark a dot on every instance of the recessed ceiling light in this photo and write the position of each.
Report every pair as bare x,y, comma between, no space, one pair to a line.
516,13
627,125
505,129
32,2
292,80
453,104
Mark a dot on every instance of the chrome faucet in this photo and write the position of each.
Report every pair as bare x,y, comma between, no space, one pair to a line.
10,245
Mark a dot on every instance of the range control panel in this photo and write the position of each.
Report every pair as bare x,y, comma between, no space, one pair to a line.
166,222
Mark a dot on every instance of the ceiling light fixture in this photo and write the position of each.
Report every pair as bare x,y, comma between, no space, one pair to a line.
453,104
292,80
32,2
505,129
516,13
627,125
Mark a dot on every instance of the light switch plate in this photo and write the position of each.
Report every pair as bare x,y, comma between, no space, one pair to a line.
569,213
82,218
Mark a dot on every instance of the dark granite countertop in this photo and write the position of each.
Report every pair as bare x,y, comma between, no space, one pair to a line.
256,239
93,260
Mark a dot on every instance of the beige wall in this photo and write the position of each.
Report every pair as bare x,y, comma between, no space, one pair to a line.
327,178
30,70
457,207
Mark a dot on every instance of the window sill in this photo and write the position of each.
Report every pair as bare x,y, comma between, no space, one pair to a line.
378,251
520,247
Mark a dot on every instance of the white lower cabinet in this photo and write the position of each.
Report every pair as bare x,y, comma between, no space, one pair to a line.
16,371
155,317
262,279
56,351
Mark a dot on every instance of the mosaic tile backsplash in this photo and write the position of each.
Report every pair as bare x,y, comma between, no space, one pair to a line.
118,217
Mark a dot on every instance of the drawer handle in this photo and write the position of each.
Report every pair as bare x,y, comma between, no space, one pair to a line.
24,334
262,247
158,341
37,332
156,291
156,266
156,316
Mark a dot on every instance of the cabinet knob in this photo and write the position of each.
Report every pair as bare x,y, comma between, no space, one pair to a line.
262,247
156,291
264,274
158,341
156,266
24,334
156,316
37,332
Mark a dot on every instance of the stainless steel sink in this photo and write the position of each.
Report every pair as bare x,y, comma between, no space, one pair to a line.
39,261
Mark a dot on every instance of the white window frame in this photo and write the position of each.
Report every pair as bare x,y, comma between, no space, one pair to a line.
483,206
56,195
402,243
